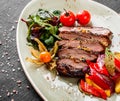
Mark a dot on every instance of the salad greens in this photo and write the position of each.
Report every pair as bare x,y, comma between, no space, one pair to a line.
44,26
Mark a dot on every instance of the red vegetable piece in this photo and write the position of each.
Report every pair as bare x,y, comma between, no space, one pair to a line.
116,76
117,64
93,90
102,93
99,81
98,67
89,89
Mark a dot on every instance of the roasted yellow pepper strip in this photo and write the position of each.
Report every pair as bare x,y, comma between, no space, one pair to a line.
90,82
117,86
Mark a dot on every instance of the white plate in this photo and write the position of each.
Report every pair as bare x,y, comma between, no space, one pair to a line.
58,88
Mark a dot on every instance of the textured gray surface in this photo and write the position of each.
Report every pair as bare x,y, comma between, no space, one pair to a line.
14,85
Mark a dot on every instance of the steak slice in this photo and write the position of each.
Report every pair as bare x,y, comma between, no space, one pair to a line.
68,67
76,54
80,43
93,30
105,41
69,43
90,46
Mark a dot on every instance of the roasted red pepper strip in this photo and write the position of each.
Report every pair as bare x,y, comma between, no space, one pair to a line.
92,90
116,76
98,67
102,93
117,64
104,81
88,88
97,78
99,81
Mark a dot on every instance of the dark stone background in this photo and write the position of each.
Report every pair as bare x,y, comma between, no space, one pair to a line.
14,85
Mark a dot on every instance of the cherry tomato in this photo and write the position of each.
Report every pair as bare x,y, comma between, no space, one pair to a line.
45,57
83,17
67,18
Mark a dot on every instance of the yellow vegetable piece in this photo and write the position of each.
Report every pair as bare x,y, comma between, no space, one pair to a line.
108,92
117,86
117,55
90,82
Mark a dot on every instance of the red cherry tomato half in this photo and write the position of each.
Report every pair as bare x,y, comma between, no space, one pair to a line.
83,17
67,18
45,57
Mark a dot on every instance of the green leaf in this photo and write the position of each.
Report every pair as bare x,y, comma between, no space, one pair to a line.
56,13
44,14
29,32
50,41
48,34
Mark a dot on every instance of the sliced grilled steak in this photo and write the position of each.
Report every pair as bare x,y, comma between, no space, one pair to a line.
76,54
93,30
90,46
105,41
80,43
69,67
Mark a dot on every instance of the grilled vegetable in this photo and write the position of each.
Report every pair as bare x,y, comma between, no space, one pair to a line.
117,85
92,90
98,66
109,62
117,61
116,79
90,82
